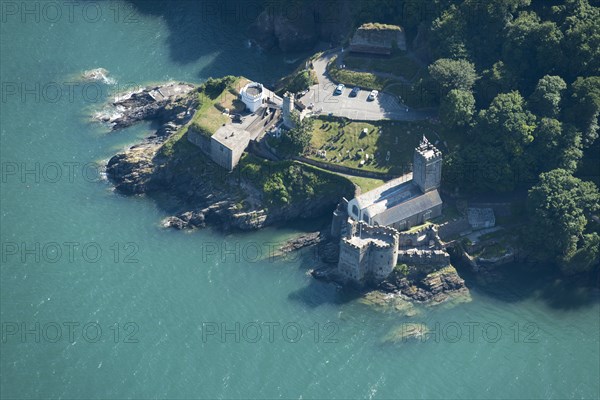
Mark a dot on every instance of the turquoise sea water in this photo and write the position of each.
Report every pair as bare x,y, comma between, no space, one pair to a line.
163,299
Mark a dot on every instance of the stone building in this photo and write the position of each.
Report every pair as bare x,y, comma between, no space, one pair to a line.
252,95
226,146
368,253
368,225
406,201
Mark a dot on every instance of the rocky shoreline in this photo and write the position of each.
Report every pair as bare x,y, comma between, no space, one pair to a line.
203,193
207,195
435,287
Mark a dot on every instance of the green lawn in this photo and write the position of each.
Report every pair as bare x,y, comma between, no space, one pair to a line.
398,64
206,120
365,80
418,94
493,251
209,117
347,145
366,184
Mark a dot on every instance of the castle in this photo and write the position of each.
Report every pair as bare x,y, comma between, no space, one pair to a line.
368,252
369,225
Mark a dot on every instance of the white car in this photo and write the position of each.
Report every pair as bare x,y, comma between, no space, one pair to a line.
373,95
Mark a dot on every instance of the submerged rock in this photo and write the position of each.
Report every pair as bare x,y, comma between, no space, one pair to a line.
407,331
388,302
97,75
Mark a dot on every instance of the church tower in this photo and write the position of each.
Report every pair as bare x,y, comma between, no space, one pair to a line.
427,166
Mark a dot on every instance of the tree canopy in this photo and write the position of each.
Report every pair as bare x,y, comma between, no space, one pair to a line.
560,206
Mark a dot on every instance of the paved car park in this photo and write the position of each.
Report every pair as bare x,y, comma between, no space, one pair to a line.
323,100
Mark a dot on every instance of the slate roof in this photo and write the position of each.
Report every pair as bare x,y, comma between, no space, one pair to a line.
408,208
388,191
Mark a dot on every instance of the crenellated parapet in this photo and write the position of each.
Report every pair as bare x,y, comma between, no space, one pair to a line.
424,257
368,252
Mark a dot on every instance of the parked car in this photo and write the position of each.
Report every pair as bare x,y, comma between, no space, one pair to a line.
354,91
237,118
339,89
373,95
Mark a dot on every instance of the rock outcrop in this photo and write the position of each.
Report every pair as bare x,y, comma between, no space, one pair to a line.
436,286
298,27
163,102
204,192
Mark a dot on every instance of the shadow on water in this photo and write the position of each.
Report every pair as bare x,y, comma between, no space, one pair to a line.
319,292
216,31
518,282
197,28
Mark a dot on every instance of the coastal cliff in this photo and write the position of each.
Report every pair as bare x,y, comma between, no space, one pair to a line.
299,26
166,164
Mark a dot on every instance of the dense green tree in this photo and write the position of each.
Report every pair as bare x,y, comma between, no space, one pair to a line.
451,74
555,146
560,206
495,157
457,108
298,138
486,23
572,153
448,32
581,45
495,80
545,99
531,48
583,108
507,124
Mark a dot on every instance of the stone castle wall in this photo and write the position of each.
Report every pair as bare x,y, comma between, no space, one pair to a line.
369,260
424,257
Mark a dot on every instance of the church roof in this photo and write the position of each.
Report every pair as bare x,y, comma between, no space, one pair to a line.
391,190
404,210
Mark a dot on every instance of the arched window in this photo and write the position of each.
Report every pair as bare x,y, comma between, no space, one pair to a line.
355,210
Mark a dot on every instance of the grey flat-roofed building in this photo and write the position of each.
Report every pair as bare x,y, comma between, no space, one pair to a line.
228,144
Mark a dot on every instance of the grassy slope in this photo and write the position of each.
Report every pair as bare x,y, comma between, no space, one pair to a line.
398,64
286,183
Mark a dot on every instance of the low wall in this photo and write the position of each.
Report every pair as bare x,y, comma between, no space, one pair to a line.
345,170
424,257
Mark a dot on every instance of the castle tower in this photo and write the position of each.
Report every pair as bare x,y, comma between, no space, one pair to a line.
252,96
287,108
427,166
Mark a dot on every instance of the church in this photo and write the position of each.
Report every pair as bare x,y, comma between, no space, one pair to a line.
406,201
